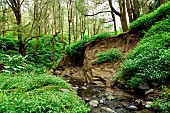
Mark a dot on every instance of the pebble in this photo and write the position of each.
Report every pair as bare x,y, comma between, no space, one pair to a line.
148,104
94,103
110,97
106,110
132,107
101,101
83,87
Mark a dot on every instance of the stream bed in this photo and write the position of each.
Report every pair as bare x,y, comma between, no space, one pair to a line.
111,100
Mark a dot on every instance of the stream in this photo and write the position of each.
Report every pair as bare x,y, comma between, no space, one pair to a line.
111,99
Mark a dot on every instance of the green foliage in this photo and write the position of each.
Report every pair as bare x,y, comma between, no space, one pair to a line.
163,102
12,63
40,52
108,56
8,44
101,35
38,94
159,27
147,20
149,61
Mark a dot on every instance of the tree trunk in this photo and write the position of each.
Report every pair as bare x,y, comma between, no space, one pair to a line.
129,10
36,19
136,9
4,20
123,15
114,21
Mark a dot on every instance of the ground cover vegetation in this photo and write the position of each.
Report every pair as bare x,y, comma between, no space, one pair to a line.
109,56
149,62
25,84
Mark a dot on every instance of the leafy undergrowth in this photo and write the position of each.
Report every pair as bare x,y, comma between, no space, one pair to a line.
147,20
108,56
149,61
163,102
38,94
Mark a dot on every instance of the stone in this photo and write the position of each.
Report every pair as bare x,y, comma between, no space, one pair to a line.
94,103
83,87
132,107
86,99
106,110
75,88
101,101
110,97
149,91
148,104
65,90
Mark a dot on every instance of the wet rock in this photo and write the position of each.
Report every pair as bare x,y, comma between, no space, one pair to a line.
75,88
132,107
148,104
149,91
101,101
83,87
65,90
106,110
94,103
110,97
87,99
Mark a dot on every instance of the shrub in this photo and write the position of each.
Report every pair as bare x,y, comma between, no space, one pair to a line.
38,94
8,44
40,52
147,20
108,56
149,61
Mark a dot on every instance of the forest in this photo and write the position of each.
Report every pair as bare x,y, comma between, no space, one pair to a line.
84,56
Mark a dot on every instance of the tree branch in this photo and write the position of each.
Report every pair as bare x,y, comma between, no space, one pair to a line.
113,9
97,13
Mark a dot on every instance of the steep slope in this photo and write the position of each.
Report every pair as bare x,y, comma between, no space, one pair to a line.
102,73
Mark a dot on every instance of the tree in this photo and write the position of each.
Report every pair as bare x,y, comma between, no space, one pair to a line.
16,8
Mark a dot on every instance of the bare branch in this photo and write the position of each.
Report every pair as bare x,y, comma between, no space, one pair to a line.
97,13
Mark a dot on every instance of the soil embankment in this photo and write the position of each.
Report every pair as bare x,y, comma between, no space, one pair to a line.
102,73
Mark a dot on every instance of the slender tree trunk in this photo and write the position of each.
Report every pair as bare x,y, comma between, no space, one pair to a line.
123,15
136,9
129,10
4,20
76,27
36,18
114,21
53,49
